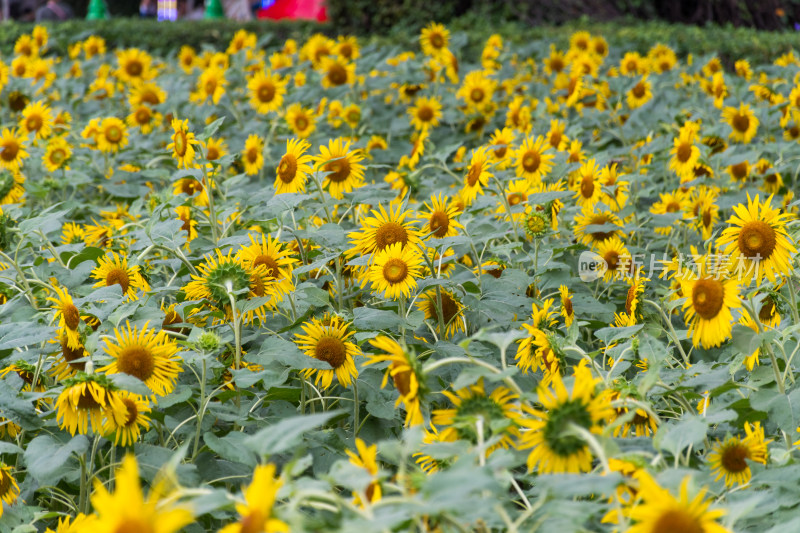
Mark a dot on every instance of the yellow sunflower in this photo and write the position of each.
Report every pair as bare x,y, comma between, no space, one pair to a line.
12,187
434,39
301,121
567,309
555,446
294,167
343,168
145,354
113,269
68,362
183,143
266,91
126,431
440,218
210,86
757,241
477,175
278,262
327,340
406,374
384,228
57,154
259,498
112,136
9,490
395,270
532,161
742,121
587,185
451,317
146,93
144,118
12,150
366,458
134,65
594,227
37,118
477,90
253,154
729,458
685,155
86,401
337,71
616,256
67,315
425,113
639,94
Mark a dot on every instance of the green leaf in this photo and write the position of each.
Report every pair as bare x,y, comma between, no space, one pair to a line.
287,433
676,437
49,459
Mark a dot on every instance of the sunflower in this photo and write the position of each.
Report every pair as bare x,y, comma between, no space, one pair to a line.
183,143
300,120
501,151
594,227
342,166
567,309
128,510
145,354
434,39
477,90
134,65
451,316
294,167
112,136
384,228
742,121
278,262
57,154
658,511
68,362
549,433
146,93
711,295
538,350
685,155
532,163
113,269
671,202
406,374
587,185
425,113
639,94
757,241
9,490
266,92
86,401
12,150
616,256
477,175
440,218
641,425
127,430
337,71
632,63
395,270
37,118
327,340
259,498
11,187
555,135
184,213
498,412
144,118
728,459
210,86
253,154
366,458
67,315
637,286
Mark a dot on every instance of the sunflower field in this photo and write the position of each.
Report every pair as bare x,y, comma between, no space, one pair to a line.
338,285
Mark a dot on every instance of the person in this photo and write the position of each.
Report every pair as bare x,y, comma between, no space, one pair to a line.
54,10
148,8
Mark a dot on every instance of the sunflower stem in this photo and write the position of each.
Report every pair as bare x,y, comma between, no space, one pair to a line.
201,409
211,206
793,296
779,379
502,192
356,408
672,332
82,491
23,279
323,200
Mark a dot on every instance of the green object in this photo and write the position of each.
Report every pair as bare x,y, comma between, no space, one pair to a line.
96,10
214,10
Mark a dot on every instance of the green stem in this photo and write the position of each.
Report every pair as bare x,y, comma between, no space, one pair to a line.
356,408
201,409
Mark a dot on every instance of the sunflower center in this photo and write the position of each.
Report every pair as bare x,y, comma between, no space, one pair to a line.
134,68
34,123
266,93
133,412
190,186
472,409
252,155
257,285
136,361
739,170
707,217
741,123
449,308
143,115
395,270
402,381
677,520
672,207
708,295
72,316
757,240
58,156
556,64
771,178
390,233
567,303
612,259
516,198
149,97
587,186
559,419
639,90
210,86
477,94
437,40
600,235
301,123
10,150
473,174
733,457
87,401
630,299
500,151
555,139
5,483
72,354
531,161
439,224
425,113
346,50
767,311
337,74
287,169
339,170
684,152
113,134
213,153
253,522
273,269
180,143
331,350
118,276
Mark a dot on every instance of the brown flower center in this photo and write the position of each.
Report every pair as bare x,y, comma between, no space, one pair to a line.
677,520
611,258
34,123
708,295
437,40
740,123
180,143
767,310
531,161
425,113
337,75
339,169
390,233
757,240
331,350
439,224
117,276
133,412
273,269
10,150
733,457
113,134
516,198
395,270
134,68
587,186
287,168
474,174
72,316
739,170
72,354
477,95
87,401
266,93
143,116
684,152
567,303
136,361
301,123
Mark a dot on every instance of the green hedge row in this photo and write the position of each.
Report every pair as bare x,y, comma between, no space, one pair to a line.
161,37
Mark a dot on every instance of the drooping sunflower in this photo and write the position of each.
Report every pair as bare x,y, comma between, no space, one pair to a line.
384,228
294,167
68,361
266,91
555,447
497,411
253,154
425,113
112,136
539,350
406,374
729,458
184,213
256,513
86,401
434,39
477,175
128,510
532,161
9,490
126,431
67,315
711,295
567,309
452,317
12,150
113,269
757,241
37,118
57,154
301,121
343,168
395,270
327,340
658,511
440,218
743,123
367,458
278,261
183,143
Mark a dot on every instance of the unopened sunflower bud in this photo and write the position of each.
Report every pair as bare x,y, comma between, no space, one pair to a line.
208,342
